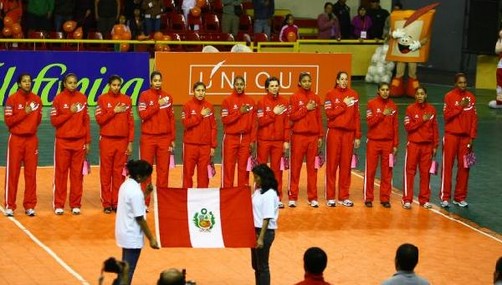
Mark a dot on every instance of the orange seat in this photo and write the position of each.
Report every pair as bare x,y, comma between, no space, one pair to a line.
211,23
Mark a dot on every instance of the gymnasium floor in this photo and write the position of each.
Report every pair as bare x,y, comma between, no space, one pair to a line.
360,242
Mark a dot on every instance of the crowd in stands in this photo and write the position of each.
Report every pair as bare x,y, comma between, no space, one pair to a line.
21,18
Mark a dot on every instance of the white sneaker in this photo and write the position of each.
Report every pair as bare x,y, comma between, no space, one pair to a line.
427,205
59,211
30,212
75,211
445,204
292,204
462,203
9,213
281,205
331,203
347,203
314,204
407,205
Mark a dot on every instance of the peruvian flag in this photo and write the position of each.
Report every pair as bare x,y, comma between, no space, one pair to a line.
204,217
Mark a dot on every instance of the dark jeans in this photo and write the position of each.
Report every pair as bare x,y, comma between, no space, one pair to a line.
259,258
131,255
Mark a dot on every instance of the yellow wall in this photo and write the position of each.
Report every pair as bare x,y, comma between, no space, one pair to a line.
485,71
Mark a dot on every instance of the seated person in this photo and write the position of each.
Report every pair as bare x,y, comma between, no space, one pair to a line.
406,260
315,261
289,31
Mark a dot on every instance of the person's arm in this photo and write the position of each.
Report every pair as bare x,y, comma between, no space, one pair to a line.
144,227
190,120
261,235
498,46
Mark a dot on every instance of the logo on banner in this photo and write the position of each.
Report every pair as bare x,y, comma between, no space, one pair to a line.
204,220
220,76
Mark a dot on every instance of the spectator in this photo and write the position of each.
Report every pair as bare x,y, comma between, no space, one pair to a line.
460,130
84,16
63,11
238,115
289,31
39,15
378,17
342,12
130,223
171,276
263,12
405,262
199,140
327,23
152,10
382,143
306,138
232,10
315,261
22,115
497,275
361,24
107,13
265,213
129,7
136,25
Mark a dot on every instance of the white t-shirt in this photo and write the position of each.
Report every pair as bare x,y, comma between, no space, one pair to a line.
131,204
265,206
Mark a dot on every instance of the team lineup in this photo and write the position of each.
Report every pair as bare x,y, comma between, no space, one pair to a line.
281,131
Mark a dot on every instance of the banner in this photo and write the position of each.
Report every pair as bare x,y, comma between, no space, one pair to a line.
181,70
93,69
204,218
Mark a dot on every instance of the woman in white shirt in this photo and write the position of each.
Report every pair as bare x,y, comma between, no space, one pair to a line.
265,202
130,223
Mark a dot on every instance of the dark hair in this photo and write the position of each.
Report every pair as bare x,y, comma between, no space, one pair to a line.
303,74
113,78
139,168
381,84
152,75
270,79
267,177
458,75
239,77
327,3
171,277
406,257
361,8
421,87
197,84
285,22
68,75
498,270
21,77
315,260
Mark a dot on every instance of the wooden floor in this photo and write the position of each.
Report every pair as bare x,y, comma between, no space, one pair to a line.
360,243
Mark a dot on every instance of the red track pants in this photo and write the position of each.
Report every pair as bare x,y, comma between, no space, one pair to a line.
112,156
417,154
235,150
339,150
301,146
454,147
376,150
196,155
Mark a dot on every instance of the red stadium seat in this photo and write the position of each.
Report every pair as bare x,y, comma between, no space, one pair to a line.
260,37
191,36
177,22
96,46
246,24
277,24
175,37
194,20
39,35
57,46
169,6
211,23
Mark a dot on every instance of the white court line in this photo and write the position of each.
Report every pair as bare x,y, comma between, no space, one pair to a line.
47,249
441,214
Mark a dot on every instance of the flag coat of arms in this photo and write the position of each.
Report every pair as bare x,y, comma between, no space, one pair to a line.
204,218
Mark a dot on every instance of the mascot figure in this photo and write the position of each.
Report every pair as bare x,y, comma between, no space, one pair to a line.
409,44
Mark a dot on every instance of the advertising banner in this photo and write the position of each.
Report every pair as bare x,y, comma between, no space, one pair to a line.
217,70
93,69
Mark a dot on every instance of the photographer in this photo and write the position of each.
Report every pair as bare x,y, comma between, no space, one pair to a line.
115,266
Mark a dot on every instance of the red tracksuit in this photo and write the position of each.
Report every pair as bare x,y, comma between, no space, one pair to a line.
306,132
382,138
117,131
344,126
199,137
239,133
157,134
72,134
461,126
273,131
285,30
423,137
22,148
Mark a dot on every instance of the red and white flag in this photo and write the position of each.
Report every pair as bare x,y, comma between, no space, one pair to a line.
204,218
